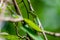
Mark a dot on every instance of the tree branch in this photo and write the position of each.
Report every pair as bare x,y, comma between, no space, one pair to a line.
11,19
52,33
30,6
16,7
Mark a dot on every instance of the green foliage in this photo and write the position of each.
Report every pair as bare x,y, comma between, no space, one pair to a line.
32,33
10,37
47,10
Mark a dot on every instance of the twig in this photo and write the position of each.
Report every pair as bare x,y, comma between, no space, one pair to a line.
52,33
10,19
16,7
40,25
30,6
31,9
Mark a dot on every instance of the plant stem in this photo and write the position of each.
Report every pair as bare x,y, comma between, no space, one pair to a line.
16,7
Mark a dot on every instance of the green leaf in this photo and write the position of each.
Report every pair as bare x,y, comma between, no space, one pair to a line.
8,36
32,24
32,33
